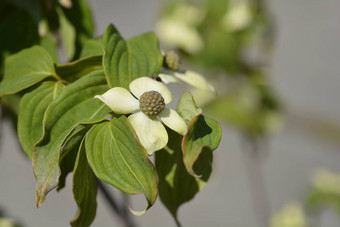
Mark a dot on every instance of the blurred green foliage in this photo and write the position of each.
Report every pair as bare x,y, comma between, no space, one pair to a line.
325,190
231,41
49,23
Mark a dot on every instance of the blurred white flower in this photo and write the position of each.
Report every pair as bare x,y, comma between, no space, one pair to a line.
326,181
178,30
174,33
238,15
7,222
292,215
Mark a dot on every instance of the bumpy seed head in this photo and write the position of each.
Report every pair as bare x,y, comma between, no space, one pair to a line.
172,60
151,103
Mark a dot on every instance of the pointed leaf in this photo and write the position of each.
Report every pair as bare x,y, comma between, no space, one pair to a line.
203,132
66,166
25,69
84,191
81,17
187,107
49,44
70,149
47,40
110,31
31,113
116,157
126,60
175,185
76,69
68,34
92,47
74,106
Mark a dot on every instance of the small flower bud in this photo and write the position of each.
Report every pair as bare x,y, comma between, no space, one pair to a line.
172,60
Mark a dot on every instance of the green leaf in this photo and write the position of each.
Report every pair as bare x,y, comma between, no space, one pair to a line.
20,29
68,34
25,69
110,31
47,41
30,6
92,47
203,132
81,18
126,60
116,157
11,104
187,107
84,191
70,149
74,106
66,166
76,69
31,113
318,199
175,185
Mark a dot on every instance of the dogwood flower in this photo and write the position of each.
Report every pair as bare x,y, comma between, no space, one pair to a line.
150,97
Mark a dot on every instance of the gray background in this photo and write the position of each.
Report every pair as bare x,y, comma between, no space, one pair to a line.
305,71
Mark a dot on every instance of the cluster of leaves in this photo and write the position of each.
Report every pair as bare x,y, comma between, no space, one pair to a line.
48,23
63,129
231,40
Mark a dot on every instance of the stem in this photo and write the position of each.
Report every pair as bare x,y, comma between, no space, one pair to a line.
256,180
116,208
178,223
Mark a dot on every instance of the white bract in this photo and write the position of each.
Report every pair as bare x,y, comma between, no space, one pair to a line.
190,77
203,92
149,96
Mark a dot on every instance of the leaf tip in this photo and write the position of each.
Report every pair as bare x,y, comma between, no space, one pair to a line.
137,213
40,198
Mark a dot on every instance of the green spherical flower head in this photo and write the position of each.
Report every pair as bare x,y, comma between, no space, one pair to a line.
151,103
172,60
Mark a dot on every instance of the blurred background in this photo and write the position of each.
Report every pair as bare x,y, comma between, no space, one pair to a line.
287,175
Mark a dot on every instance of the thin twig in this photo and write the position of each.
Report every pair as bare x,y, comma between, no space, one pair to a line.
178,223
256,180
119,210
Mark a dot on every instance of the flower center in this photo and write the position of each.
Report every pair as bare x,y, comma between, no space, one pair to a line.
151,103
